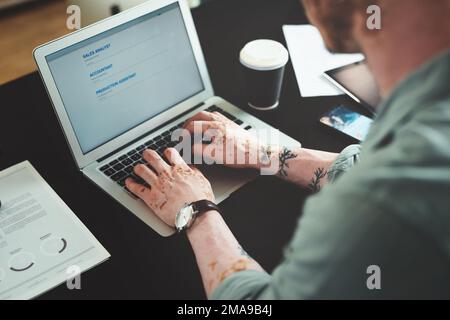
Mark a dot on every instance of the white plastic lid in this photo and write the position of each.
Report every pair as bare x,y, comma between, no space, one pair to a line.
264,55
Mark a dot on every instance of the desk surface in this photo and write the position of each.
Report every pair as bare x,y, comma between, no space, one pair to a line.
144,265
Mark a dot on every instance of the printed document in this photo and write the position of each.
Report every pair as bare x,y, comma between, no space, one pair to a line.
42,242
310,59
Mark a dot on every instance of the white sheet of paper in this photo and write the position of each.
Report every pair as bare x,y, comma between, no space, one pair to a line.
310,59
42,242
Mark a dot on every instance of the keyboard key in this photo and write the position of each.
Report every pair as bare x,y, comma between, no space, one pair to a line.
131,152
138,179
228,115
104,168
121,182
136,163
109,172
119,175
166,133
160,143
248,127
122,157
148,143
135,157
129,169
127,161
214,108
140,148
118,167
161,150
239,122
172,144
113,162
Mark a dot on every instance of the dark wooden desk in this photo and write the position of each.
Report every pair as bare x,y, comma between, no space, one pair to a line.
262,215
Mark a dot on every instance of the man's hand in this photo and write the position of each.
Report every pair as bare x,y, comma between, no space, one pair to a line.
307,168
172,185
228,140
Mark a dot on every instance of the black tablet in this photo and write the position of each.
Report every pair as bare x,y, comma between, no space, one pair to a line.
357,81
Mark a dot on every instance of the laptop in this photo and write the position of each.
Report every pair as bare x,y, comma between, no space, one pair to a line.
125,84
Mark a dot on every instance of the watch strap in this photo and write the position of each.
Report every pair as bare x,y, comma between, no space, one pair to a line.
203,206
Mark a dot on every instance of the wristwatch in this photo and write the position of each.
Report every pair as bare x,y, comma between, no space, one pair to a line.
187,215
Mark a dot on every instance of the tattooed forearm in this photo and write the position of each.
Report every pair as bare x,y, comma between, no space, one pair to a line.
314,184
284,156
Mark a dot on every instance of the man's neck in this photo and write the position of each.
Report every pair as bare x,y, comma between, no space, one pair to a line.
400,48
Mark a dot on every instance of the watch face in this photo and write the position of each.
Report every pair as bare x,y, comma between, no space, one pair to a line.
184,217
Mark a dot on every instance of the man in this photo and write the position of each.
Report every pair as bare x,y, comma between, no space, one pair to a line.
384,210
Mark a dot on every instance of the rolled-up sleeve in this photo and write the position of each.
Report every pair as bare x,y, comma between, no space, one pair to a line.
346,160
244,285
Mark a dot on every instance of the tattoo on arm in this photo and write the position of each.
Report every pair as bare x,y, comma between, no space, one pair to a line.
284,156
314,184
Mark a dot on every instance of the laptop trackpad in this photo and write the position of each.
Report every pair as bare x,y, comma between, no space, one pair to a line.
225,181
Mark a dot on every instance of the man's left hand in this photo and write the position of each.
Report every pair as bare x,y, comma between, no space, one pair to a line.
172,185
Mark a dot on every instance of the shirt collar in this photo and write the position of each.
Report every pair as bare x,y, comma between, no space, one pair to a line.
429,81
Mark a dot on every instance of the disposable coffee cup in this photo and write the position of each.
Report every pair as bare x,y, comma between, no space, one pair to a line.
263,63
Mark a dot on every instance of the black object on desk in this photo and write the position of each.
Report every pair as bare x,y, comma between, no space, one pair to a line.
143,264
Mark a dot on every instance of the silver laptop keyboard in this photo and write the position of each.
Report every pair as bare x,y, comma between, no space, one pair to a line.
122,167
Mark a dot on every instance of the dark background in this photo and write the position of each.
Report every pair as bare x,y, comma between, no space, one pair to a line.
262,215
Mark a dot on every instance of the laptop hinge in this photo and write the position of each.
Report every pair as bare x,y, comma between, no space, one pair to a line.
149,132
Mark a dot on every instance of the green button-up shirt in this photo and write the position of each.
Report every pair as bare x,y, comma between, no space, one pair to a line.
381,228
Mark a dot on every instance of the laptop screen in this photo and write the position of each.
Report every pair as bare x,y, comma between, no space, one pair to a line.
125,76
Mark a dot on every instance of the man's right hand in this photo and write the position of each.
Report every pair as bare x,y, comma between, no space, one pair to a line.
228,140
307,168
